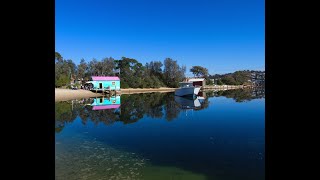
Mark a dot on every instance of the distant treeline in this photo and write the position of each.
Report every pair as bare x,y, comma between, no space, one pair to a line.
236,78
132,73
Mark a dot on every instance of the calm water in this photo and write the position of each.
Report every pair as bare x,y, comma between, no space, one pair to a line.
218,136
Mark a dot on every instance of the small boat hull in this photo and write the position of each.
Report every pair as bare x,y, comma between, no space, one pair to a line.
188,91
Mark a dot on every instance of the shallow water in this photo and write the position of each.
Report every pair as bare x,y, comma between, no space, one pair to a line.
160,136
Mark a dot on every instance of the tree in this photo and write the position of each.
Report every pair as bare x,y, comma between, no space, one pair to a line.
131,72
228,79
93,69
173,73
107,66
64,69
241,77
58,57
82,69
199,71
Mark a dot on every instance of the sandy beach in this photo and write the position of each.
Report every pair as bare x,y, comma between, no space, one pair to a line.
68,94
146,90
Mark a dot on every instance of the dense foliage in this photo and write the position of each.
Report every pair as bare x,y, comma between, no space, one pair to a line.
236,78
132,73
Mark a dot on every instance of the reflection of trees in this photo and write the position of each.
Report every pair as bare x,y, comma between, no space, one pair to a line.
132,109
63,114
242,95
135,106
171,107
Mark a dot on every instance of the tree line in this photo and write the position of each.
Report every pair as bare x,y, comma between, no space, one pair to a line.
236,78
132,73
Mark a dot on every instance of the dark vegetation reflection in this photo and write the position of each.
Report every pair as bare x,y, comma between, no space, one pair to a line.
216,151
135,106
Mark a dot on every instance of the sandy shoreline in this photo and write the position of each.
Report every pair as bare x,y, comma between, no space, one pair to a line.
146,90
68,94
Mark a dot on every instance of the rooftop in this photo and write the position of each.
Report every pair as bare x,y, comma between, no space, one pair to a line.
195,79
105,78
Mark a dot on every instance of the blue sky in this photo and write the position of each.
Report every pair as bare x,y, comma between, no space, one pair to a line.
221,35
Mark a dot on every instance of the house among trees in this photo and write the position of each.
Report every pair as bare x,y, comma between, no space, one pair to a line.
103,83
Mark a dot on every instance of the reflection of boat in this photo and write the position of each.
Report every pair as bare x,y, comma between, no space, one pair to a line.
100,103
188,102
187,89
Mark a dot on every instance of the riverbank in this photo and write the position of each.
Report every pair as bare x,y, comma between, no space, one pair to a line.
146,90
225,87
68,94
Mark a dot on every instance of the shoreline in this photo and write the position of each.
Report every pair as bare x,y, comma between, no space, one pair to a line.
68,94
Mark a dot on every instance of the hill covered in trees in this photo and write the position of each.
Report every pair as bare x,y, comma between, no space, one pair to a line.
245,77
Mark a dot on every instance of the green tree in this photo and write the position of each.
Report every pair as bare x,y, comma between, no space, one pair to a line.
64,70
107,66
82,69
173,73
58,57
228,79
131,72
199,71
241,77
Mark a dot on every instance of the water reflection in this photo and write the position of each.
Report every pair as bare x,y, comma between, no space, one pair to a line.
219,138
242,95
109,102
131,108
189,102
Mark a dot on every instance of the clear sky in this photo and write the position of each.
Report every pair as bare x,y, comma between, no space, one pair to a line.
221,35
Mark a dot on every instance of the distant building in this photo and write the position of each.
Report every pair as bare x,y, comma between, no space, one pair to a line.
197,81
258,78
103,83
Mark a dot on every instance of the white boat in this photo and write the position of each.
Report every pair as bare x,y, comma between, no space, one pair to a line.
187,89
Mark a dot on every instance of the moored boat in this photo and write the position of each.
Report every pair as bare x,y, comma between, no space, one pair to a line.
187,89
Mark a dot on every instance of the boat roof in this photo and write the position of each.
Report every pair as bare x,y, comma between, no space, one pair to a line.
196,79
185,82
